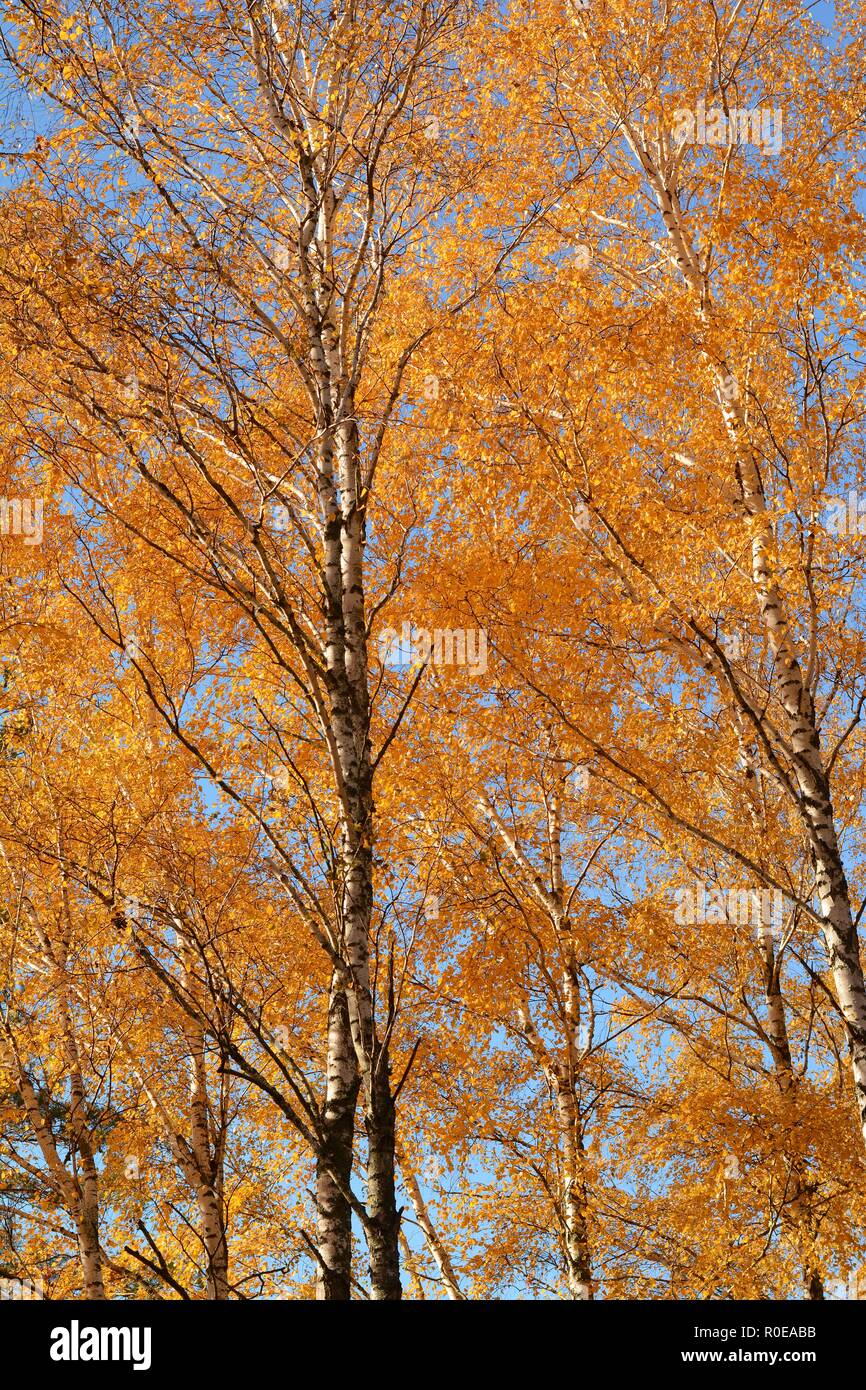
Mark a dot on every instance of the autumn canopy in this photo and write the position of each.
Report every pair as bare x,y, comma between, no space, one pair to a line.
432,649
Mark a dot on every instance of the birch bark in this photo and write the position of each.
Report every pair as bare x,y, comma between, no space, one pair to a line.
561,1070
205,1171
334,1161
79,1194
803,747
431,1235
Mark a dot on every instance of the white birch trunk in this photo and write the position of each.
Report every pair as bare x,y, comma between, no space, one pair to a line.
431,1236
804,749
561,1071
334,1162
204,1171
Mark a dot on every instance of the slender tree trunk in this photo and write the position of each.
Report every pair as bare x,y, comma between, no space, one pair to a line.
796,1198
87,1206
816,806
81,1196
574,1214
410,1263
211,1214
384,1234
431,1235
87,1229
562,1073
333,381
201,1162
373,1060
804,747
579,1268
334,1161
